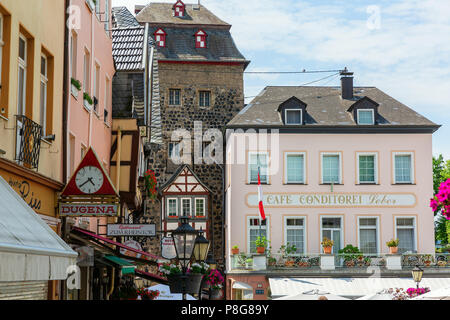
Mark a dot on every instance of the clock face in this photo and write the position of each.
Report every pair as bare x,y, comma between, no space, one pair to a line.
89,179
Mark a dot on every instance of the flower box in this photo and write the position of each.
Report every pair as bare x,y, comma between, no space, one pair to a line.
189,283
74,90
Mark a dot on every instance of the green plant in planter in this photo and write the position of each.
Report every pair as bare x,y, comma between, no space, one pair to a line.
393,243
287,250
349,253
76,83
88,98
261,242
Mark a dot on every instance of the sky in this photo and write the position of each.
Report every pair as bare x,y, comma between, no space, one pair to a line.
399,46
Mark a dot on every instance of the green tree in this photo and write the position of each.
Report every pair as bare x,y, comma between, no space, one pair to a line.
441,172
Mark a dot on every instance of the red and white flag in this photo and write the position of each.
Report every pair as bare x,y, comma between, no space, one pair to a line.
260,199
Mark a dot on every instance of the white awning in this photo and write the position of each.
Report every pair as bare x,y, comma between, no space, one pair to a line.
29,249
242,286
348,287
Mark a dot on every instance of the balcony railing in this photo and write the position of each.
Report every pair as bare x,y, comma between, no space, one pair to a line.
348,262
28,141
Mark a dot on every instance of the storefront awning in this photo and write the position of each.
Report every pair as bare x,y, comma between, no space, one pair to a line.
242,286
348,287
143,255
125,266
29,249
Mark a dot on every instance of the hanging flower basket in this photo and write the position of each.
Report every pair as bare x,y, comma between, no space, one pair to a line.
190,282
150,184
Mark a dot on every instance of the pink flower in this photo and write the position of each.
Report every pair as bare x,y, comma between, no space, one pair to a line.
434,204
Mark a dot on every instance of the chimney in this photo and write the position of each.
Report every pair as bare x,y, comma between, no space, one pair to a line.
347,84
138,8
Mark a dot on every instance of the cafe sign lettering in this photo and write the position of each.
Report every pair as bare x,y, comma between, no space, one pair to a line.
87,210
130,230
333,200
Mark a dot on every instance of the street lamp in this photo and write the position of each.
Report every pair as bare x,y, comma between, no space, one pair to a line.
184,239
201,247
417,274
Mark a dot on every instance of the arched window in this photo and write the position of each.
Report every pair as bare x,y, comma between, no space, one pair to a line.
178,9
160,38
200,39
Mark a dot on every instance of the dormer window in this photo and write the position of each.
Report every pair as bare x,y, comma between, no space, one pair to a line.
293,111
365,111
200,39
160,38
366,116
178,9
293,116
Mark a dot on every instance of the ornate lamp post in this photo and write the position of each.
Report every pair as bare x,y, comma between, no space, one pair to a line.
188,245
417,274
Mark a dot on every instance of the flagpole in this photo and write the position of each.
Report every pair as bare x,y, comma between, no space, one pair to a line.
259,214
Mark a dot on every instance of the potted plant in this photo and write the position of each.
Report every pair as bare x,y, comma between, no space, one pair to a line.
427,259
286,252
261,243
145,294
87,100
190,282
75,87
327,245
393,246
249,263
235,250
215,281
350,255
271,261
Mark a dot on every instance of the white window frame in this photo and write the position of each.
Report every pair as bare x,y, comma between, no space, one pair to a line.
182,207
173,90
322,154
407,227
176,204
23,65
342,228
303,227
249,227
286,117
286,154
377,226
204,206
366,110
250,153
44,81
201,97
375,154
403,153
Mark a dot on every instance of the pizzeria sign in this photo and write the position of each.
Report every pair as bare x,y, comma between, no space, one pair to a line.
334,200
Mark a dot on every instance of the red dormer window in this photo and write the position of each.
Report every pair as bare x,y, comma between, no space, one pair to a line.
178,9
200,39
160,38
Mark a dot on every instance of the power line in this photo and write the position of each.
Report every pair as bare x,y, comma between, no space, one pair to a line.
251,72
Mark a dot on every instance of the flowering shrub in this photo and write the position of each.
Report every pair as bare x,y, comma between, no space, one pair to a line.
441,201
146,294
414,292
215,279
150,184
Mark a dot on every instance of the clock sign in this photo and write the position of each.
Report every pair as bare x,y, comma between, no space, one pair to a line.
89,179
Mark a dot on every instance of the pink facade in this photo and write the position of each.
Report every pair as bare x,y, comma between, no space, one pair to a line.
312,200
91,63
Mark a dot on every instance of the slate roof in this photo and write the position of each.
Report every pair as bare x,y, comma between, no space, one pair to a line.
325,107
128,46
123,18
180,45
162,13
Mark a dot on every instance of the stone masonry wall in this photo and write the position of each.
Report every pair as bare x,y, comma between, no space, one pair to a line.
225,82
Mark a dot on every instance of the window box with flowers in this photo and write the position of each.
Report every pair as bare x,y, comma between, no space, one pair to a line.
87,101
75,87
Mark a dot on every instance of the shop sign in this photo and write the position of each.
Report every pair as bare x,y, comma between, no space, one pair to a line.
132,244
87,210
334,200
168,248
130,230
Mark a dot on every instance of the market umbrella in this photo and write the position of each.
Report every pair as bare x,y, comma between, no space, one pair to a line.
313,295
382,295
164,293
440,294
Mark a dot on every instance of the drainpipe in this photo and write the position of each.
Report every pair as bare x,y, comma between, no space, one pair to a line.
111,289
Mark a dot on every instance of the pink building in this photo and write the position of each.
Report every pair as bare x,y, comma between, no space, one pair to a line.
350,164
91,68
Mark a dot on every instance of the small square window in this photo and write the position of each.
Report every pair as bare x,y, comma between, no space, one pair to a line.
293,116
366,117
